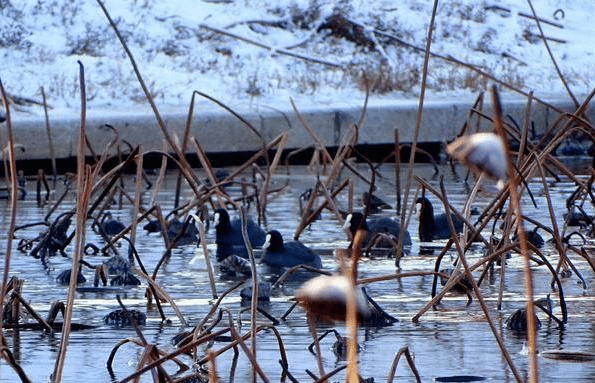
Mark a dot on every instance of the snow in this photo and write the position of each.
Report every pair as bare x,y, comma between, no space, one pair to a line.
178,52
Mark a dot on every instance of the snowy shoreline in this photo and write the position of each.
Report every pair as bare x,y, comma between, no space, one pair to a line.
42,42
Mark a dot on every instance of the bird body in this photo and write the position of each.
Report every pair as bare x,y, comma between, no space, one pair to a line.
384,225
229,238
435,226
325,298
110,225
187,235
376,204
280,254
481,152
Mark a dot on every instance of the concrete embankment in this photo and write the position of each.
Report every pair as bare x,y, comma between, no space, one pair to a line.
219,131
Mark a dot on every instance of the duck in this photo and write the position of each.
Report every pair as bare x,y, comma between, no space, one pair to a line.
434,226
229,237
383,225
280,254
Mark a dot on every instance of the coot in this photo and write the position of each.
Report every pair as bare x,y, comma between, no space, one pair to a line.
287,254
434,226
229,237
384,225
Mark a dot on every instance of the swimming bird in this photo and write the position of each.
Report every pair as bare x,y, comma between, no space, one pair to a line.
63,277
532,237
434,226
109,225
325,298
280,254
384,225
229,237
187,235
376,203
517,321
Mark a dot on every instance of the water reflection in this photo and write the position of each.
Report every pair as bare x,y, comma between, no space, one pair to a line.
452,339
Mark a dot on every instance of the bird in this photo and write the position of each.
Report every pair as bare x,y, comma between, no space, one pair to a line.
285,254
228,235
517,321
153,226
384,225
376,203
481,152
63,277
534,238
325,297
109,225
185,235
188,236
434,226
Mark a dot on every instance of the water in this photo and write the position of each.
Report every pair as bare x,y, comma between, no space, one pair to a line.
453,339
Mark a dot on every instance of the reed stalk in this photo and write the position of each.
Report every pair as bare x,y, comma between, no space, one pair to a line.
418,121
515,205
83,194
4,351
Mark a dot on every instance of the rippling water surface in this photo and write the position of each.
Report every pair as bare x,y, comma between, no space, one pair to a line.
452,339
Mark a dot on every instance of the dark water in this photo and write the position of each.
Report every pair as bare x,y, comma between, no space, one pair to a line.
453,339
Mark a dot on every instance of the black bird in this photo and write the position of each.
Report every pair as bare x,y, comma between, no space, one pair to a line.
534,238
517,321
187,235
153,226
229,237
376,203
385,225
63,277
434,226
279,254
578,218
110,225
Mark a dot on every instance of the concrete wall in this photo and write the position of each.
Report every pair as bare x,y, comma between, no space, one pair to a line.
219,131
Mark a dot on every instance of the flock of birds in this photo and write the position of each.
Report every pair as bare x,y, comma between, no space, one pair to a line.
483,152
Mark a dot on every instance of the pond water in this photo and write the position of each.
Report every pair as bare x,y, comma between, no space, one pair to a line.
453,339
